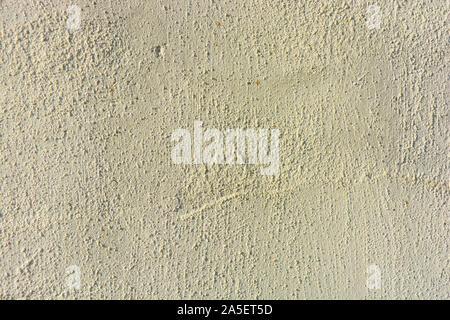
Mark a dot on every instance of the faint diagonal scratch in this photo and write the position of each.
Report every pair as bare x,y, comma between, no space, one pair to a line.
212,204
430,183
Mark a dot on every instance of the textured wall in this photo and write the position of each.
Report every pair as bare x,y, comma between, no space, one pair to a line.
358,209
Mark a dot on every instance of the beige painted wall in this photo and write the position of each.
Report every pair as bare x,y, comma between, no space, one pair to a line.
87,180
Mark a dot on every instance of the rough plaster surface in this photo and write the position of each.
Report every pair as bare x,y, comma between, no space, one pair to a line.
86,175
